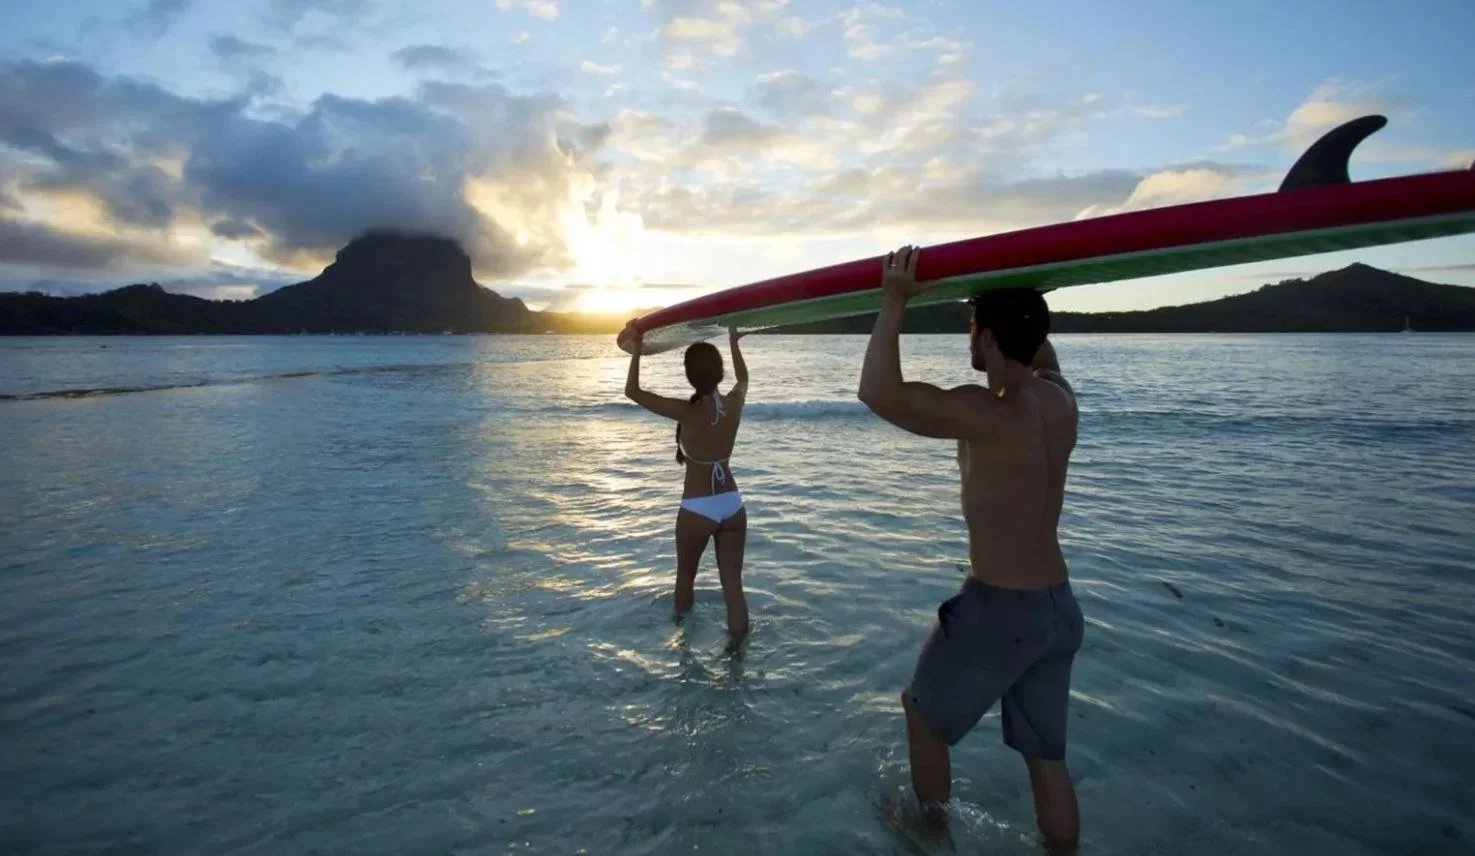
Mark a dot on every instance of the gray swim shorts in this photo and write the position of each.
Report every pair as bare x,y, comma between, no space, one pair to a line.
993,643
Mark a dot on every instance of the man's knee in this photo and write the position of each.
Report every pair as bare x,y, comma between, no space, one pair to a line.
914,716
906,705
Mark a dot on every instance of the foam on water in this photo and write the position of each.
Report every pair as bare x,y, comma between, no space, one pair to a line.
416,598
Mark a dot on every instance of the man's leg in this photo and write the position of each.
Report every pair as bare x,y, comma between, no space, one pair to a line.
1055,805
927,755
1036,716
960,673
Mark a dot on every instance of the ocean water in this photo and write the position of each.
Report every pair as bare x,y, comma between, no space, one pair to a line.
412,595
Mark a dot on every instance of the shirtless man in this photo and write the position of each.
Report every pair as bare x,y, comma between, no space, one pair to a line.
1013,630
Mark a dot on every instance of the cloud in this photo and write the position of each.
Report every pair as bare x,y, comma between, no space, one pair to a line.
222,281
157,17
212,281
320,42
1458,159
589,67
728,126
812,158
729,132
1336,102
1192,182
791,95
235,230
545,9
860,23
681,84
434,58
720,35
791,27
287,14
748,177
694,31
56,111
863,200
505,174
30,243
1154,111
232,50
1460,268
1328,106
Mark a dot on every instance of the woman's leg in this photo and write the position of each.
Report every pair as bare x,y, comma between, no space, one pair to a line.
692,532
732,536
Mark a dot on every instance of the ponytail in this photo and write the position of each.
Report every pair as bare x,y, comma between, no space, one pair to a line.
680,457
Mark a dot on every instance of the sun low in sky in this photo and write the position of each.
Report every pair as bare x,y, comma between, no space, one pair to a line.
612,154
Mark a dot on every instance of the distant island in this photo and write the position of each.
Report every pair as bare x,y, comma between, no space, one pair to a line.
386,282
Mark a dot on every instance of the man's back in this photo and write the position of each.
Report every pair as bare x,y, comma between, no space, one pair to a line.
1013,486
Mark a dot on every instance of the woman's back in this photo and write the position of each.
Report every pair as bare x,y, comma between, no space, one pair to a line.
705,441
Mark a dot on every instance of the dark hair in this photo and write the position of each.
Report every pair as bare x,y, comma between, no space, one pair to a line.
1018,318
703,372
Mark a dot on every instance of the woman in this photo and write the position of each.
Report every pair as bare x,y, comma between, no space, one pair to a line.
711,506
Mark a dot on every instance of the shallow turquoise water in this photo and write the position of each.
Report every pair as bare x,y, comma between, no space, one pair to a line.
400,595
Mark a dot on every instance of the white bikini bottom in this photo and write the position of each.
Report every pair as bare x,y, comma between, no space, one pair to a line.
717,507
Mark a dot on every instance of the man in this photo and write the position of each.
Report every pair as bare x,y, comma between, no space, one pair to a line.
1013,630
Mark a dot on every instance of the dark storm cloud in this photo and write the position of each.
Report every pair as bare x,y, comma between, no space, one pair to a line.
230,50
433,58
234,229
303,184
31,244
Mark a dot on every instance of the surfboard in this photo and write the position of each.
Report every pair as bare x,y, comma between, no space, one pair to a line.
1316,209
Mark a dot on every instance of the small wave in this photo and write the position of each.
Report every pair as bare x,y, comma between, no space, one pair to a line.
805,409
812,409
92,392
96,391
1274,421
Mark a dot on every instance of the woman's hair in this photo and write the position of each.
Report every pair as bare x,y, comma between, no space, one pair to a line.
703,372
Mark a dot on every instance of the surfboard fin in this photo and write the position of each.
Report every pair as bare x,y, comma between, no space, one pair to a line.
1326,161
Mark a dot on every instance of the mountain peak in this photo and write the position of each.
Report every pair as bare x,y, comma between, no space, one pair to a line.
375,243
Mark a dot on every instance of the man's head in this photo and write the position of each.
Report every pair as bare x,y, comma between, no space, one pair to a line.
1015,321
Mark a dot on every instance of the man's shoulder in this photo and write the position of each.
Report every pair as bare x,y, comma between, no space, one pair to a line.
1056,396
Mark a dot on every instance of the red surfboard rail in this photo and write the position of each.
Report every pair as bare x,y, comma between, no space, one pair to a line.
1386,200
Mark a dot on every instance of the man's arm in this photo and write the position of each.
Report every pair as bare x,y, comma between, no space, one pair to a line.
921,408
671,408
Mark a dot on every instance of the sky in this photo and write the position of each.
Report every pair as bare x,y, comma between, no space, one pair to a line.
612,154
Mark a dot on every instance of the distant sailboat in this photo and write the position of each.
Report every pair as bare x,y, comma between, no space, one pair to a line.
1406,327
